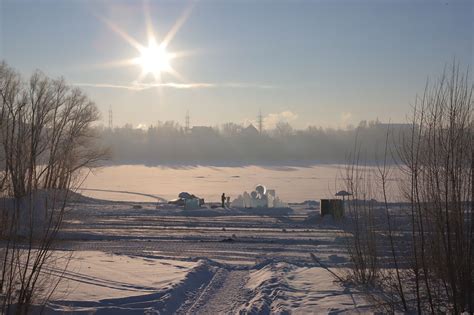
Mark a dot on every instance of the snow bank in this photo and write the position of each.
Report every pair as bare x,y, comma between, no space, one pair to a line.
268,286
280,287
102,283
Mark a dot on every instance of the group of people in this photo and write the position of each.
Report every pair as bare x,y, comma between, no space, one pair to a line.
225,201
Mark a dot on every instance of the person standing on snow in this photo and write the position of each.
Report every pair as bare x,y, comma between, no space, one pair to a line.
223,200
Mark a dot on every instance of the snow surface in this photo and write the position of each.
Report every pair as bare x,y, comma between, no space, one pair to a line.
159,259
291,183
94,275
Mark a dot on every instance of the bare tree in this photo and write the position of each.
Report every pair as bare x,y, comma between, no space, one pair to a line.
46,139
435,271
438,160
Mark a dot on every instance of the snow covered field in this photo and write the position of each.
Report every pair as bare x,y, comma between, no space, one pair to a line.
156,259
292,184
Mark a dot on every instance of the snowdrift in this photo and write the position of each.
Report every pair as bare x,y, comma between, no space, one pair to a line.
135,285
284,288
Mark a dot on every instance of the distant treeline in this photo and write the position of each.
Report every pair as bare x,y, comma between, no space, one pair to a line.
234,144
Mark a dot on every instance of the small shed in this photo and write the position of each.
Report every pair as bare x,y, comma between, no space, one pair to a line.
334,207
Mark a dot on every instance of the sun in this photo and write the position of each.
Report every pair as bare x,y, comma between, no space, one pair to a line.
154,59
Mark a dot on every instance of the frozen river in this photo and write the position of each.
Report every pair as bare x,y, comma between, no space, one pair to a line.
292,184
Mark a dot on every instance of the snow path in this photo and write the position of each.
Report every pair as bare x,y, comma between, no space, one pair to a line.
224,294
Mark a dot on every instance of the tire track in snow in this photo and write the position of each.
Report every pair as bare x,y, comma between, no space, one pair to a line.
224,294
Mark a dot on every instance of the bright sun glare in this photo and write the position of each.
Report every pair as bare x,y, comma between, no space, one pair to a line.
154,59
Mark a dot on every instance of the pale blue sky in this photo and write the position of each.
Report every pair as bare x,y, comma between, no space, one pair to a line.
325,63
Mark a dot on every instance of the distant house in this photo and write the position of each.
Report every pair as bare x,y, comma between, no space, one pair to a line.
250,131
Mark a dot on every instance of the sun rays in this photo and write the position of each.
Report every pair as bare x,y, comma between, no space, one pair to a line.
154,58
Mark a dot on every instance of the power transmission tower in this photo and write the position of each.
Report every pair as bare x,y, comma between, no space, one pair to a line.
187,121
260,122
110,118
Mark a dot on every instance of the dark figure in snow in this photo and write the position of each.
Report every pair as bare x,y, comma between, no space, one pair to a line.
223,200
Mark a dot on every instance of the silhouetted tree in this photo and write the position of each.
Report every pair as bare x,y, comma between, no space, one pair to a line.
46,140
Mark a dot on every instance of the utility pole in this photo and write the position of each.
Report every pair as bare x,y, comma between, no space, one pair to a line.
187,122
110,118
260,122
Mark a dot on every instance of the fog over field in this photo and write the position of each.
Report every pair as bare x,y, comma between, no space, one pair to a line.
231,144
168,158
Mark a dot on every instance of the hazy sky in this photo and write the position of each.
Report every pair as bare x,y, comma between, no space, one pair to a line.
326,63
